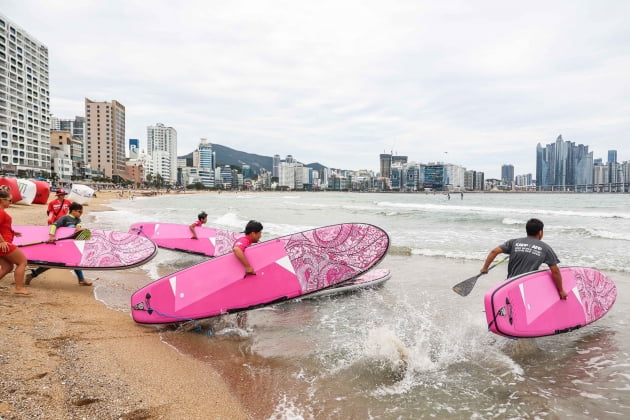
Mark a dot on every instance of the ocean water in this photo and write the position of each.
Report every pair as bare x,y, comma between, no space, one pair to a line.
412,348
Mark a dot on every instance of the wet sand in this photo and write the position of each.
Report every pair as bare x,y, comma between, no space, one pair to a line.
65,355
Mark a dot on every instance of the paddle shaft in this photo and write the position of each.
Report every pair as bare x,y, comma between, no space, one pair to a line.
79,235
465,287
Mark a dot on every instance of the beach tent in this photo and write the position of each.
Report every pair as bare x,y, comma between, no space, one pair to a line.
13,185
42,191
28,191
80,193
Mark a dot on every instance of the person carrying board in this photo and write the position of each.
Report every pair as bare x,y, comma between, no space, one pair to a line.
202,218
253,232
73,219
10,255
527,254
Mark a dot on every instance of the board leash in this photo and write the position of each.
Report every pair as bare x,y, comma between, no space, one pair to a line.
140,231
140,306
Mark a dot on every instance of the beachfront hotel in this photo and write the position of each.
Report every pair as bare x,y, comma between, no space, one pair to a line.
162,147
105,138
24,101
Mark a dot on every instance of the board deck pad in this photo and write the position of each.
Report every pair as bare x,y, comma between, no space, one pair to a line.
210,242
104,250
373,278
286,267
529,305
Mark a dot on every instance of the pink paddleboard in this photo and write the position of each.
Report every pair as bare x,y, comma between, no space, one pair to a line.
373,278
286,268
210,242
529,305
104,250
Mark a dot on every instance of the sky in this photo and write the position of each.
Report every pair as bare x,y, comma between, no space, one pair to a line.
473,83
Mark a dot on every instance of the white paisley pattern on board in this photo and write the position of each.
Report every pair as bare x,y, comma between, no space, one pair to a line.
116,249
332,254
225,241
598,292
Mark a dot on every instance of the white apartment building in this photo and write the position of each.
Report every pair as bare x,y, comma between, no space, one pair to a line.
162,147
24,101
290,174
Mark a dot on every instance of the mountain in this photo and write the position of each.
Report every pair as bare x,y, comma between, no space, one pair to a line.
228,156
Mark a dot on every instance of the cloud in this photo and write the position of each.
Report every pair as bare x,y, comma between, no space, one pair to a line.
341,82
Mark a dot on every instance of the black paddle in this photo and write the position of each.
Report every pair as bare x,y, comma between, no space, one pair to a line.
79,235
465,287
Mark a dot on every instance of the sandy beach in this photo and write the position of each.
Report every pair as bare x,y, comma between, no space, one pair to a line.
64,355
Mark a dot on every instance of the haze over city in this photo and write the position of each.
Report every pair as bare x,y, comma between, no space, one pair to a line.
475,84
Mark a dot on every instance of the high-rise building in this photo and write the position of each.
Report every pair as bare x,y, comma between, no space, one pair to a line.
207,162
105,138
612,156
613,167
24,101
275,170
76,128
435,176
563,165
62,142
507,174
134,148
162,146
385,160
399,159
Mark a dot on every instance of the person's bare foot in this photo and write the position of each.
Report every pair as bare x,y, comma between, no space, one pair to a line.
22,292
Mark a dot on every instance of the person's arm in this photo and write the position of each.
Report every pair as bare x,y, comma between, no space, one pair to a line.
556,275
192,229
491,256
4,245
51,233
240,255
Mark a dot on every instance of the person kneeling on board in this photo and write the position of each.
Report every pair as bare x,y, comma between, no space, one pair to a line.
73,219
253,232
527,254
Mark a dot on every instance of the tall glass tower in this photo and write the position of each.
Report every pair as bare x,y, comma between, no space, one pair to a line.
563,165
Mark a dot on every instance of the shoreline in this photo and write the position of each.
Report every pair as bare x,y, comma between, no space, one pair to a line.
64,354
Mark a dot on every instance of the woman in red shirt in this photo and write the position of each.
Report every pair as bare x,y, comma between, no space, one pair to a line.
10,255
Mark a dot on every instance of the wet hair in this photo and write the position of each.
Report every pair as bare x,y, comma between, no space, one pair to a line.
75,206
253,226
533,226
202,215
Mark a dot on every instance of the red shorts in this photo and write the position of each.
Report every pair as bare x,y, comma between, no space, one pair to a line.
8,251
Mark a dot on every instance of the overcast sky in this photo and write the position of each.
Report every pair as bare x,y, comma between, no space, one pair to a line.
473,83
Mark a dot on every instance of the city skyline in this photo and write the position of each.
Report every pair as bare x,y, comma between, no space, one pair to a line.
477,82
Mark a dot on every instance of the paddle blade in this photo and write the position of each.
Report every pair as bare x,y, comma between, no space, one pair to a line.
83,235
465,287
